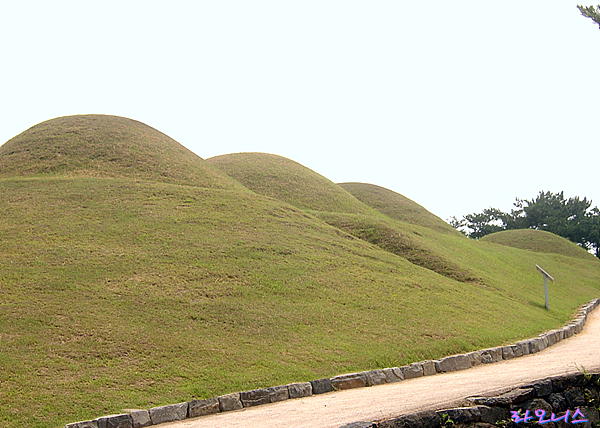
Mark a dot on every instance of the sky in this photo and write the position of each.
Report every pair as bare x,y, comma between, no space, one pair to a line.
458,106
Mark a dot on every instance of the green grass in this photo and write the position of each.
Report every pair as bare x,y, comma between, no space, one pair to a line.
120,292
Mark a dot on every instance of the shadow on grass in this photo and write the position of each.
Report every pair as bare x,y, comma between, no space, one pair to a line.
537,304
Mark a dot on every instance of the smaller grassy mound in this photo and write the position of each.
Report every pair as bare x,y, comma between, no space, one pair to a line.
396,206
287,180
539,241
109,147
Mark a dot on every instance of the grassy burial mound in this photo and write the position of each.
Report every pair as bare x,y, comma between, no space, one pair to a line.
123,287
106,146
396,206
287,180
539,241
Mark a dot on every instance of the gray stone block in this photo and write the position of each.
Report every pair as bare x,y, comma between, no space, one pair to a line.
508,352
255,397
491,355
535,345
203,407
542,388
349,381
412,371
300,390
115,421
393,374
141,418
567,331
558,402
428,368
170,413
492,415
475,358
278,393
574,397
453,363
230,402
321,386
523,347
83,424
375,377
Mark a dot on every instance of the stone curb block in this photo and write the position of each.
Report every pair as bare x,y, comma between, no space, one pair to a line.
393,374
300,390
230,402
255,397
375,377
349,381
321,386
412,371
453,363
429,368
141,418
170,413
115,421
491,355
83,424
203,407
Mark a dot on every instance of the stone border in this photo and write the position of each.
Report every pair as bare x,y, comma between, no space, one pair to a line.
240,400
553,395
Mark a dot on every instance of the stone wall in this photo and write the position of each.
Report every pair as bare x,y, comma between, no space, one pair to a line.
239,400
554,396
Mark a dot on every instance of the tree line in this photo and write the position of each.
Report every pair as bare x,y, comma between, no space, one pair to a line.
571,218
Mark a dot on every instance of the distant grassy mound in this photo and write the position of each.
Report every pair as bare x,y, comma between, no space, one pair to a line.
396,206
539,241
106,146
289,181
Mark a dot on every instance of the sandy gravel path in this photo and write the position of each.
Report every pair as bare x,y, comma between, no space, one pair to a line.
334,409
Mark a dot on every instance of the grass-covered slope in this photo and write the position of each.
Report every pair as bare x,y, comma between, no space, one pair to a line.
539,241
106,146
120,293
284,179
396,206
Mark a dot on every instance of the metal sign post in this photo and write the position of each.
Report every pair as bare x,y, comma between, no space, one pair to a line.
546,276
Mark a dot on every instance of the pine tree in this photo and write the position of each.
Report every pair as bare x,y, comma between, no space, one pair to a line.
592,12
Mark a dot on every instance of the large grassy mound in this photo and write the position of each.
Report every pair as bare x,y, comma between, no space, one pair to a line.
396,206
538,240
288,181
121,293
106,146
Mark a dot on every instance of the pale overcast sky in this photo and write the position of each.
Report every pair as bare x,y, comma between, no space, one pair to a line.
458,105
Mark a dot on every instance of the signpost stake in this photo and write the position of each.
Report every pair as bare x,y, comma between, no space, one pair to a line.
546,276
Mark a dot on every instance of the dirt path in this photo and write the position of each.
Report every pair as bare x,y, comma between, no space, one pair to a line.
334,409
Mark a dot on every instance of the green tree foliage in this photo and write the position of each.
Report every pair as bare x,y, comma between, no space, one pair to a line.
592,12
571,218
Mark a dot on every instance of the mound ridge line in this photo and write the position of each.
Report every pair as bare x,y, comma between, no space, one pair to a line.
245,399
